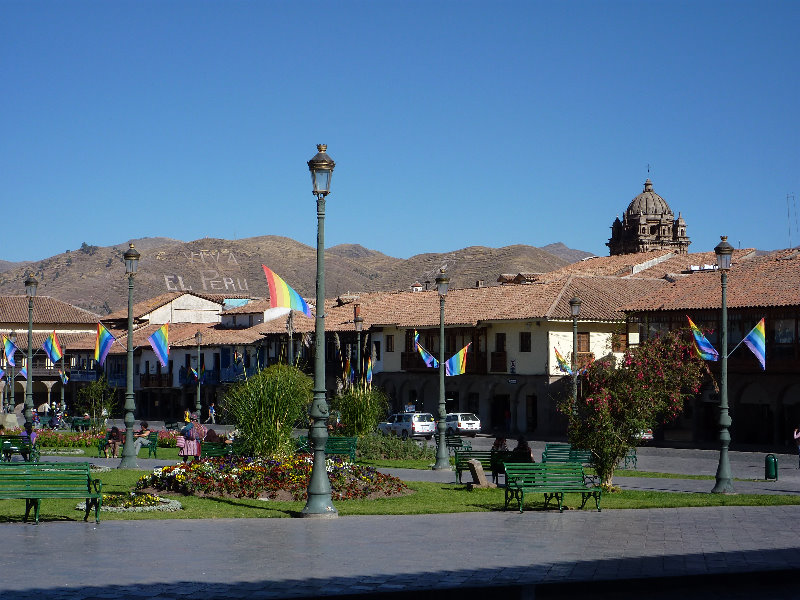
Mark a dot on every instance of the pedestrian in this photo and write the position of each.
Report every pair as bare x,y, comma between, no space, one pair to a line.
797,441
212,414
500,444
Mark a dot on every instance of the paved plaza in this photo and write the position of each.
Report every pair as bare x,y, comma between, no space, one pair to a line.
724,552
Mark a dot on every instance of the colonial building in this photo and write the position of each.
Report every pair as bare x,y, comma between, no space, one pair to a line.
648,224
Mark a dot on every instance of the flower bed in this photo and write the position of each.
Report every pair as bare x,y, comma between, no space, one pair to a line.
134,502
270,478
48,438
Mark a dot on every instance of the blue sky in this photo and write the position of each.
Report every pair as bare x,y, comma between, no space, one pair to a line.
452,123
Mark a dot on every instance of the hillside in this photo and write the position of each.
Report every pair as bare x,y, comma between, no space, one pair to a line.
93,277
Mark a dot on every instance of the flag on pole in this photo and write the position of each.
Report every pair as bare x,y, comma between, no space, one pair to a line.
755,341
562,362
193,372
102,344
160,343
703,347
280,294
9,348
2,373
64,377
52,348
457,364
426,356
24,370
369,369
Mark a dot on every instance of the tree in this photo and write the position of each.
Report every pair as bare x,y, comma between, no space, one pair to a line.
621,399
361,408
95,399
266,407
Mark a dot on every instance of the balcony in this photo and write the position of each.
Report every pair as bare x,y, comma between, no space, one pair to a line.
155,380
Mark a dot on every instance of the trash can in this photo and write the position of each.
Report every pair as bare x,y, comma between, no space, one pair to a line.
771,467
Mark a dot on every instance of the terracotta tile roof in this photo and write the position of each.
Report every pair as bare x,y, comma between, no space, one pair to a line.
616,266
14,309
684,262
255,306
140,309
771,280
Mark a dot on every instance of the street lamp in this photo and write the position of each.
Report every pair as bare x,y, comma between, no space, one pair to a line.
12,337
358,321
724,484
319,503
442,456
575,310
128,461
30,292
199,337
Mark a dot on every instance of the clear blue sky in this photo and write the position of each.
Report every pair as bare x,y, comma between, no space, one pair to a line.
452,123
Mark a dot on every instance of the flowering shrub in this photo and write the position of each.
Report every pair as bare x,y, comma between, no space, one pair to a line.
130,500
254,477
621,400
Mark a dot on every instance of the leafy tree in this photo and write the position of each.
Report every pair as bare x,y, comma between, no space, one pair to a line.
620,399
95,398
265,408
361,408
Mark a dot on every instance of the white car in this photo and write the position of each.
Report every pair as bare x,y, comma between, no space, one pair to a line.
462,424
406,425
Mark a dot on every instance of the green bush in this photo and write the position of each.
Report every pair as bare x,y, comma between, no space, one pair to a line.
376,446
361,409
265,408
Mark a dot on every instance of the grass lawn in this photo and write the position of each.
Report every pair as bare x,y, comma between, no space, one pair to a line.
427,498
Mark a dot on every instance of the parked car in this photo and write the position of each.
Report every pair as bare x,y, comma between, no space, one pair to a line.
462,424
405,425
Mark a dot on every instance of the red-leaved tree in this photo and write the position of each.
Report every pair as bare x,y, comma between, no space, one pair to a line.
621,398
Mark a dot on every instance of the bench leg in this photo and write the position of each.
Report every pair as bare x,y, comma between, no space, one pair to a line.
514,494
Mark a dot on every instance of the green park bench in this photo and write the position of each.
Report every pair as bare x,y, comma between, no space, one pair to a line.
562,453
216,449
629,460
172,426
336,444
11,444
491,460
453,443
80,424
551,479
33,482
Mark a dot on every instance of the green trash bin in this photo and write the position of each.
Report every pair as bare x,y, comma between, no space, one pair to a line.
771,467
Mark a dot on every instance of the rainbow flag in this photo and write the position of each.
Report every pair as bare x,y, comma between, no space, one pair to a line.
426,356
64,377
194,373
202,371
9,348
52,348
755,341
704,348
457,364
280,294
24,370
562,362
160,343
369,369
102,344
2,373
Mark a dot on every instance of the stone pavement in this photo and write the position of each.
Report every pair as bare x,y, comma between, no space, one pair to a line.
724,552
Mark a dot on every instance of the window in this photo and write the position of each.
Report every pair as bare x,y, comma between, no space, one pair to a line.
499,342
524,341
619,342
583,342
390,343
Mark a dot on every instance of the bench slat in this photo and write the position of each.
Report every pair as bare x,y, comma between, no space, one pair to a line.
551,479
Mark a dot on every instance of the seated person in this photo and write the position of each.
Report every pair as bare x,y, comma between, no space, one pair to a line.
114,442
523,452
140,437
500,444
28,435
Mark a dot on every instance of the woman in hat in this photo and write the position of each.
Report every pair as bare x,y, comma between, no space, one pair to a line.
193,434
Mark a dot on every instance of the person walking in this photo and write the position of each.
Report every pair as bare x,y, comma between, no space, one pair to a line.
212,414
797,442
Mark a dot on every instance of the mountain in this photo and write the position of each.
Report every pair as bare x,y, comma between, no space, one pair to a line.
568,254
93,277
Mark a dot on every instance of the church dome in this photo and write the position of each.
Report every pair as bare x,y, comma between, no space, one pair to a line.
649,203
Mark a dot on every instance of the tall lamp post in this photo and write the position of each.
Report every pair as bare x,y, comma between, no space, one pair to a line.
575,310
12,337
199,337
442,456
319,503
30,291
128,461
724,484
358,321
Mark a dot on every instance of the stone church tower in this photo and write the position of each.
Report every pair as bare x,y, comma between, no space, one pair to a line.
648,224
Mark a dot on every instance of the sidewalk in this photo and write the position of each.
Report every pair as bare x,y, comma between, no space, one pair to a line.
658,553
